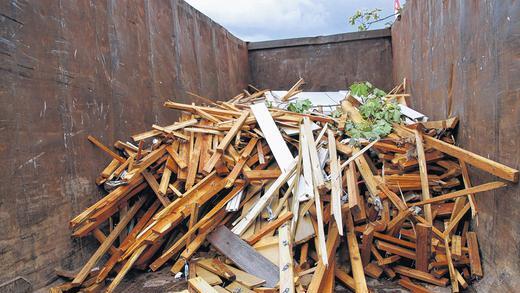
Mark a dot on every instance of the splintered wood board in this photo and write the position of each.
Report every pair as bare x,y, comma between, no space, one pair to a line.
278,146
244,256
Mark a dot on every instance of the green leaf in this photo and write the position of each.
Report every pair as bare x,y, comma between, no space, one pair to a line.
300,106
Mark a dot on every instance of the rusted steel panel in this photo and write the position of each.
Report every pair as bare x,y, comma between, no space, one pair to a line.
72,68
329,63
461,58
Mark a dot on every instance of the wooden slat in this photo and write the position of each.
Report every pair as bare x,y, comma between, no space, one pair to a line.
83,273
335,181
423,250
479,188
271,226
355,257
321,269
422,276
473,159
199,285
286,260
425,195
105,149
474,255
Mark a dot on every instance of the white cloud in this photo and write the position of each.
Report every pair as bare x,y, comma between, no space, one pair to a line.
257,20
266,15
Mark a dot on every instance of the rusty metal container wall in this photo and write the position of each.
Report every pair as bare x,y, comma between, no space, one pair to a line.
461,58
327,63
72,68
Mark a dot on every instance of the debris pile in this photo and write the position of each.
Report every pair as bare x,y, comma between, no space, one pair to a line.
239,197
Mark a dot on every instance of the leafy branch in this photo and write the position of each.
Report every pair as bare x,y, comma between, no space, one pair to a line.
300,106
378,113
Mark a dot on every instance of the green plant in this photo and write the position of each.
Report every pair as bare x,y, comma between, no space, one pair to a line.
300,106
364,18
378,113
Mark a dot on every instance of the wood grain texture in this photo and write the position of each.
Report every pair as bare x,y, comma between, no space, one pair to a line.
243,255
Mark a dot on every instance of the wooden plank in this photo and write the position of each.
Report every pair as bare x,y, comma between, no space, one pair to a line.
105,149
451,268
423,171
473,159
176,157
181,242
101,237
345,279
474,256
467,184
389,260
366,245
415,288
454,223
199,285
194,161
262,174
110,168
171,132
321,269
155,187
456,248
277,144
455,194
103,248
248,280
243,255
313,154
335,181
251,215
391,248
194,217
422,276
355,257
165,179
232,133
395,224
217,267
269,228
152,133
237,287
241,162
321,232
124,270
286,259
423,250
354,199
211,278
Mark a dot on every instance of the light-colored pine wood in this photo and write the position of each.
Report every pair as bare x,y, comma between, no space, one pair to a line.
425,195
335,181
479,188
199,285
83,273
286,259
273,225
355,257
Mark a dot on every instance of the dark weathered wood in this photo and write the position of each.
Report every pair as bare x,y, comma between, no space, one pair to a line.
243,255
423,250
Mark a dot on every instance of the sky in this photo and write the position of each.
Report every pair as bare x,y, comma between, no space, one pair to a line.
259,20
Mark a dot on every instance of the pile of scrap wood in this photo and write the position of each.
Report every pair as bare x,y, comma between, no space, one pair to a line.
239,197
